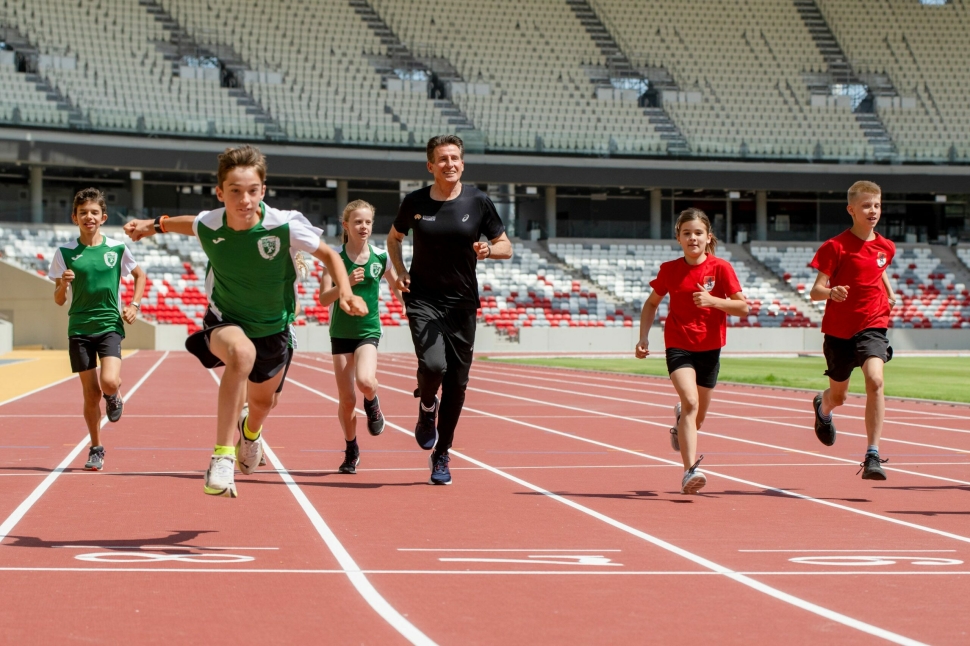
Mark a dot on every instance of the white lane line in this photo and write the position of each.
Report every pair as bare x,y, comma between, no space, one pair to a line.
350,567
851,551
831,615
46,483
489,549
157,547
642,454
667,425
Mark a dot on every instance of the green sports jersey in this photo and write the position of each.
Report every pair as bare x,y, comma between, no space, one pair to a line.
344,326
251,276
98,271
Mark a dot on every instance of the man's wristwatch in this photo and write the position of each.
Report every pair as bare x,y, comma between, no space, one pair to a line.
137,306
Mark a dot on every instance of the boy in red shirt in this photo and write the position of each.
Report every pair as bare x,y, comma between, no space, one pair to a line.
703,290
852,278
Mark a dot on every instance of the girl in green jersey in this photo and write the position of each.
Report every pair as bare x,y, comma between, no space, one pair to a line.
354,340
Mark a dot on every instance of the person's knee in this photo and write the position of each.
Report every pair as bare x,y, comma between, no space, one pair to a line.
347,401
240,356
367,384
838,397
92,392
432,366
689,405
110,384
874,384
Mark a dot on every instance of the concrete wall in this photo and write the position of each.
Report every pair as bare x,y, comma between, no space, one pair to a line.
6,337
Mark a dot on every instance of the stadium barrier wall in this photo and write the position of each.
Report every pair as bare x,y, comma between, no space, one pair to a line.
6,337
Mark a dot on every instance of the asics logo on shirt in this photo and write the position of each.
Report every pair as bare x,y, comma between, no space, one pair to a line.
428,218
465,219
217,240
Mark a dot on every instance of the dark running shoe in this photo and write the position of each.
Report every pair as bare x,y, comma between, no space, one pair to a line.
114,406
351,460
674,441
95,459
872,467
440,473
375,418
425,431
824,431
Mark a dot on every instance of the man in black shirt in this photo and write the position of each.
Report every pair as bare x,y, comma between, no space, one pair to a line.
441,289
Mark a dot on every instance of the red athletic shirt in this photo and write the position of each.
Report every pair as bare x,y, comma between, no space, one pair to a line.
859,265
689,327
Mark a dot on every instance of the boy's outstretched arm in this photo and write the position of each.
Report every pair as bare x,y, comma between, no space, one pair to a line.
138,229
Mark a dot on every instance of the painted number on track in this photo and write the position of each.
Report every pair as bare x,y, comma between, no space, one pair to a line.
870,561
154,557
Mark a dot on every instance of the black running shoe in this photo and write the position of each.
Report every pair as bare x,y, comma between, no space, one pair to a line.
351,460
440,473
375,418
872,467
114,406
824,431
95,459
425,431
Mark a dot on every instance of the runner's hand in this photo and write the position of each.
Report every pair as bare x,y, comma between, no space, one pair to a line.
68,276
354,305
703,297
482,250
840,293
129,314
643,349
138,229
404,282
356,276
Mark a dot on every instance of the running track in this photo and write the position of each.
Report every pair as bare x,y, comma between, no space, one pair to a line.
565,523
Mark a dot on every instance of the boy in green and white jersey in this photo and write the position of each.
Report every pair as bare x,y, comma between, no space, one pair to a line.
353,340
92,267
250,282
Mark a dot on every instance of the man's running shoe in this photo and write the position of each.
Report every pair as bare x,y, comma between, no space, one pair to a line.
674,443
220,479
248,452
425,431
95,459
824,431
375,418
440,473
351,460
114,405
694,480
872,467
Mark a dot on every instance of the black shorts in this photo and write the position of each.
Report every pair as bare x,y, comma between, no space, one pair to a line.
273,352
844,355
349,346
85,349
706,364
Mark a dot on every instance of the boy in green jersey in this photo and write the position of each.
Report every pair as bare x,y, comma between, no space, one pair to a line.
92,267
353,340
250,282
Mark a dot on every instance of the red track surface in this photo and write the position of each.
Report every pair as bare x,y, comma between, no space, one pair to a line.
565,523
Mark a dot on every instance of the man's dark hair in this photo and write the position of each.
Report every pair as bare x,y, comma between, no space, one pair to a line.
445,140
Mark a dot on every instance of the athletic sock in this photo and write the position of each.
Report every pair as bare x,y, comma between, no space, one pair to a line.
873,449
224,450
428,409
351,444
370,403
250,435
825,418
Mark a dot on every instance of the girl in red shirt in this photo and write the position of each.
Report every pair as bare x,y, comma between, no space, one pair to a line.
703,290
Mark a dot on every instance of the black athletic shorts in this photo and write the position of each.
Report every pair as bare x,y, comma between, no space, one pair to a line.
843,355
706,364
349,346
273,352
85,349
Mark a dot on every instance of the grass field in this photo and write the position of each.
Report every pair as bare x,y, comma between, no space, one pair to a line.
942,378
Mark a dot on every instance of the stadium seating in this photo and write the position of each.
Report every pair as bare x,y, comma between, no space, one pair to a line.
744,62
923,49
31,105
626,270
533,59
927,294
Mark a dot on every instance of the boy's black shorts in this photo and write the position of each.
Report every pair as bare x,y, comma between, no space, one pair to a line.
706,364
844,355
273,352
85,349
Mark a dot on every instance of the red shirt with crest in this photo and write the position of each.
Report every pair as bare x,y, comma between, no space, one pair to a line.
689,327
859,265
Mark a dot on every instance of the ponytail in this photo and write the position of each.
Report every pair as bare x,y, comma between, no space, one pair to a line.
691,214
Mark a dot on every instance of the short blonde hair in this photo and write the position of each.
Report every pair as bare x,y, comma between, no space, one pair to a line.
350,208
863,187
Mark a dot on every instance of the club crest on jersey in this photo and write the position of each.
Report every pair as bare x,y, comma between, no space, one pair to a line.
881,259
375,270
269,246
111,258
708,283
465,219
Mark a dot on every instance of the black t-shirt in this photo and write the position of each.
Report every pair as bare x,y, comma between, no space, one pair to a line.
443,266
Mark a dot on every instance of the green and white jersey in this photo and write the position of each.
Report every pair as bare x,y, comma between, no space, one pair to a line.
344,326
98,271
251,276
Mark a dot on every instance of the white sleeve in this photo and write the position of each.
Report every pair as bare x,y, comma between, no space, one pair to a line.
57,267
128,262
303,235
195,223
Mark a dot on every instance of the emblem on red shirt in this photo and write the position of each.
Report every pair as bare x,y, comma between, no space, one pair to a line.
708,283
881,259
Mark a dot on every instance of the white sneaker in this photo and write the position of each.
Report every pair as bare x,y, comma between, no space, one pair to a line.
694,480
220,479
249,453
243,414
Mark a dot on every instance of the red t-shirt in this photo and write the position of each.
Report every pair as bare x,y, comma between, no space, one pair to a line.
859,265
689,327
